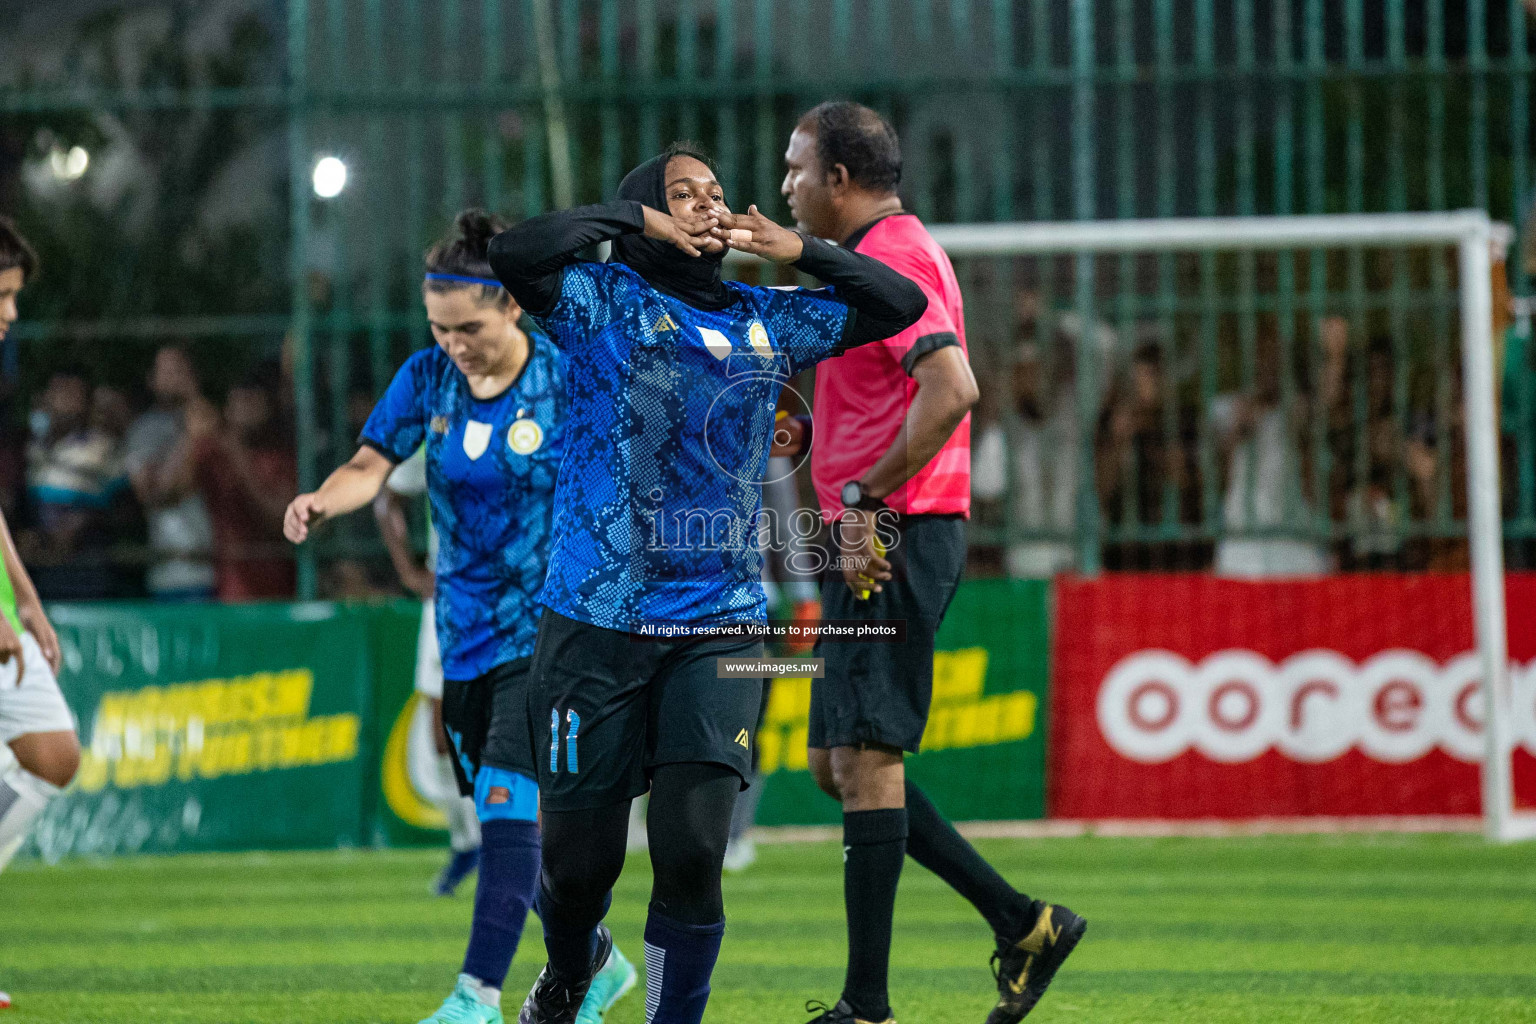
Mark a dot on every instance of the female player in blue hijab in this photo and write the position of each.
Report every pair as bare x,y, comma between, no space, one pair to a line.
655,575
488,402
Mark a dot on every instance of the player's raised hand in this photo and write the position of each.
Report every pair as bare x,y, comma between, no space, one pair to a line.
303,513
692,235
754,233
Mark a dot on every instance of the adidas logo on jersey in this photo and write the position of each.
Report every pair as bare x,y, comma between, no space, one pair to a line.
666,323
439,424
743,739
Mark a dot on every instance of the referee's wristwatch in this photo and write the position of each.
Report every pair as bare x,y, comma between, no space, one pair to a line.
855,495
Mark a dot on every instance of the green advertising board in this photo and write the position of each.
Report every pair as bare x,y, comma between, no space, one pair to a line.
283,726
983,755
213,728
401,815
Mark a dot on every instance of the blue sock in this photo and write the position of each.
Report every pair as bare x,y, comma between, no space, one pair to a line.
679,958
509,876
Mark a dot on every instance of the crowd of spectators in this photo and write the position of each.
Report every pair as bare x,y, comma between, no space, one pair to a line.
1318,463
1337,454
179,501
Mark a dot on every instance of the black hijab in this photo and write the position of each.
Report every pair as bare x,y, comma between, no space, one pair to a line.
693,279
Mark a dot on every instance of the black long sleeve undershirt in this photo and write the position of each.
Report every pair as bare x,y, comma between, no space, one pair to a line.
530,257
529,260
884,302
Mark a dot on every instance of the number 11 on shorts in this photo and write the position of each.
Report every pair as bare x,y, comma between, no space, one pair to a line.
572,730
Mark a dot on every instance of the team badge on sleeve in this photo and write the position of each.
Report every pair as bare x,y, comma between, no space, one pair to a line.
525,436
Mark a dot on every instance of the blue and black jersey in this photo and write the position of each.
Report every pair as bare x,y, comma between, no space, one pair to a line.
671,414
491,469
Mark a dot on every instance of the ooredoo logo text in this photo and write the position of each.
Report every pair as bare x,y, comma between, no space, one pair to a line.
1313,706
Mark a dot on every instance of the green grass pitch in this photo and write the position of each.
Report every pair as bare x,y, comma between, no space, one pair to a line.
1275,930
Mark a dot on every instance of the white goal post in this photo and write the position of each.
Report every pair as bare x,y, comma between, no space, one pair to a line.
1472,233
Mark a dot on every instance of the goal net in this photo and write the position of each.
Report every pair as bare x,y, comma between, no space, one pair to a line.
1260,460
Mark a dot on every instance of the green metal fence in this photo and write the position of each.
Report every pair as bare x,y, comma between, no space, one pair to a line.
1007,110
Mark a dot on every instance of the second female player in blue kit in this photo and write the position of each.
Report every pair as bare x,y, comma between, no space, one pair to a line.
488,402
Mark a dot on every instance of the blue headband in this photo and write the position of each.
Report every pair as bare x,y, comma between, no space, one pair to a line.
461,279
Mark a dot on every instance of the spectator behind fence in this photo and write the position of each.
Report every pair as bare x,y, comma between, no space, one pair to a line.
244,468
180,532
1044,447
1140,464
1367,459
75,482
1268,465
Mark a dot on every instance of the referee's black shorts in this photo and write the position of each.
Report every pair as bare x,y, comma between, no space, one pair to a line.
879,693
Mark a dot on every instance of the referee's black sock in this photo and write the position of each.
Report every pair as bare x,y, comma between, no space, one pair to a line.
874,845
933,842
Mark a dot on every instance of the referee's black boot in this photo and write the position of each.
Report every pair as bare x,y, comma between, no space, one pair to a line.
1025,966
842,1013
555,1000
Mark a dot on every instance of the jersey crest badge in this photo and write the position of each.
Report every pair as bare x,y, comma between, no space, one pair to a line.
525,436
718,344
439,424
477,437
757,337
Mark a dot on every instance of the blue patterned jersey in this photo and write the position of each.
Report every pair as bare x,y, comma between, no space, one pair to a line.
670,421
491,468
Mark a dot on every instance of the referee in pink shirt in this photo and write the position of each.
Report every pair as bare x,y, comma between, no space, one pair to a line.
890,439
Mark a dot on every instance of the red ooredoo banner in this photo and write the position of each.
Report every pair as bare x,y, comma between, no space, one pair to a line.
1184,696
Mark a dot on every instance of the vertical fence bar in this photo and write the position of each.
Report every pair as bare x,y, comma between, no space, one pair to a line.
493,152
1003,149
1397,201
1084,184
298,269
964,157
415,189
1519,277
1354,199
1125,208
727,146
1205,185
765,145
1247,323
645,45
1042,170
1477,121
340,317
379,257
608,115
1284,156
1440,287
925,192
1167,206
687,67
1317,259
451,74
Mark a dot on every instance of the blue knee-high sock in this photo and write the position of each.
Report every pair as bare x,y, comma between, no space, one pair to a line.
509,877
679,958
